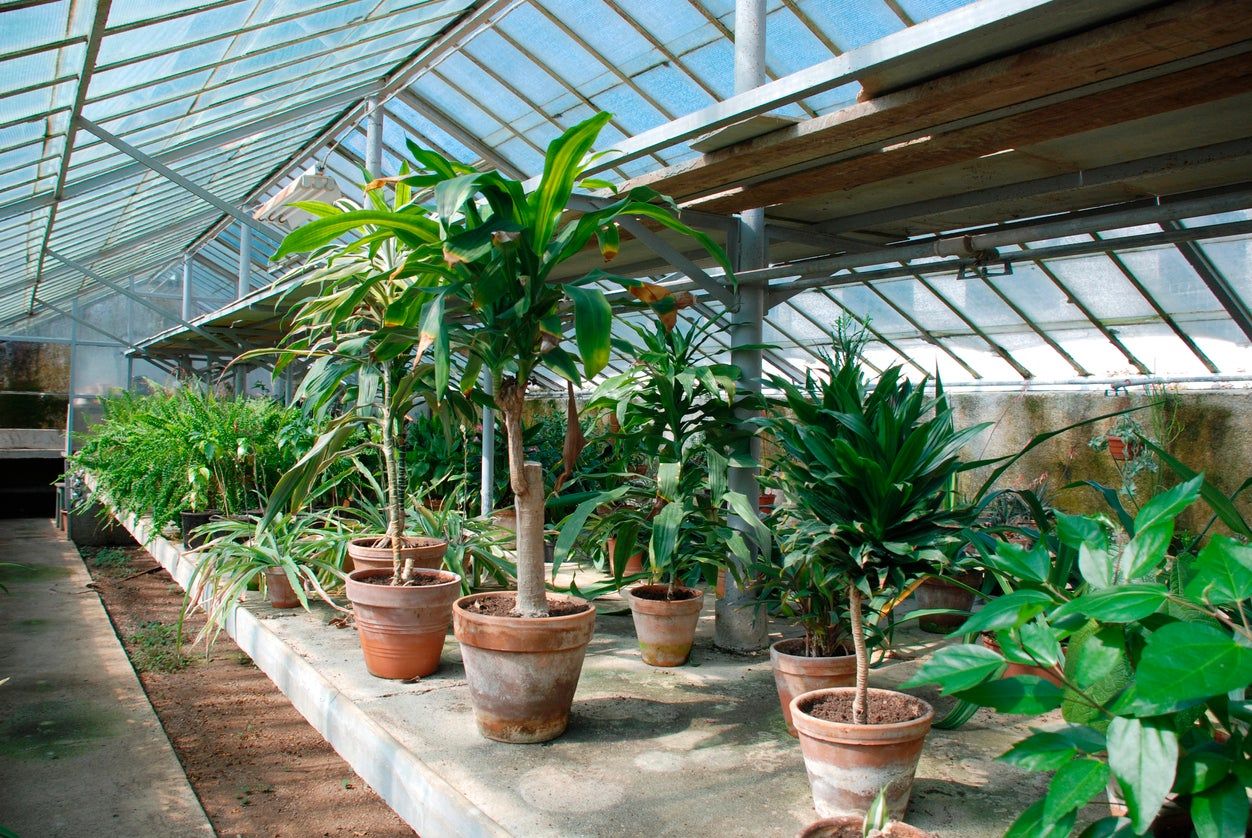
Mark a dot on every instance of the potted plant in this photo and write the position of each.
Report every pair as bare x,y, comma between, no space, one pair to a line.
876,823
1155,681
282,558
679,413
494,247
869,469
364,330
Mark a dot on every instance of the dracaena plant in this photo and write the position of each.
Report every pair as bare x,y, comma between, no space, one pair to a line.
1155,677
677,411
497,247
868,467
362,329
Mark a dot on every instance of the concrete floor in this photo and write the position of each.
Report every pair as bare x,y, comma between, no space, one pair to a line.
81,750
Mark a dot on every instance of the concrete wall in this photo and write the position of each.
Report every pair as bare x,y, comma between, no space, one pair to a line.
1214,430
34,381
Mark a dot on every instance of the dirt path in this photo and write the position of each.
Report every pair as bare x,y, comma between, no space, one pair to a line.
257,766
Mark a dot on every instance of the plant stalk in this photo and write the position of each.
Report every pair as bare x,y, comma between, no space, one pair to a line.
860,703
395,503
526,480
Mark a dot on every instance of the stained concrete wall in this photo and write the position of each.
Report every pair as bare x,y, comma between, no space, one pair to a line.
34,383
1214,431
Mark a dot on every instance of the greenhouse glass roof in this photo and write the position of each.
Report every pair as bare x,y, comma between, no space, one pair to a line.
1109,179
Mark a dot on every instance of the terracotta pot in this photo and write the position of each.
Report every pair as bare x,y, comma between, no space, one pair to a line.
765,503
1123,450
522,672
1014,669
853,827
666,628
425,552
278,589
634,564
505,518
402,629
940,593
849,763
190,520
795,674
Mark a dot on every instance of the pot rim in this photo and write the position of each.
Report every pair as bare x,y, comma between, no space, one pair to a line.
497,620
866,734
778,654
355,584
427,542
692,604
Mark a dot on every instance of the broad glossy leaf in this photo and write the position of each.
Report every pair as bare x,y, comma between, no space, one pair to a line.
1008,611
1096,565
665,533
1020,562
1183,662
1095,656
956,668
1031,824
1120,604
1048,750
1143,754
1223,573
1168,504
1199,770
322,231
1022,694
1221,811
1147,549
1073,785
593,320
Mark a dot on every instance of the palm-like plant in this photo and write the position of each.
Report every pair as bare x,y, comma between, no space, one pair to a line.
488,259
869,467
678,412
361,330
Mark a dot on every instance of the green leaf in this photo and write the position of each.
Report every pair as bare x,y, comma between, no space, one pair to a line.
1108,827
1008,611
1032,824
667,475
1221,811
665,533
1048,750
1096,657
561,167
1073,785
1022,563
1223,572
322,231
1200,770
1147,549
1184,662
1121,604
1166,506
593,320
1022,694
1143,754
957,668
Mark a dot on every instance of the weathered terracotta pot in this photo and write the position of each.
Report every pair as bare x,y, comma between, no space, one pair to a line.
1123,450
666,628
795,674
849,763
425,552
1014,669
278,589
634,564
940,593
853,827
402,629
522,672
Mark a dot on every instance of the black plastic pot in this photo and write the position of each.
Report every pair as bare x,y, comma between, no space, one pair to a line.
191,520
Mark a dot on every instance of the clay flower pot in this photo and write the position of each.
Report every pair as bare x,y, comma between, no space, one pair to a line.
940,593
1123,450
402,628
666,628
522,672
425,552
795,674
853,827
634,564
849,763
278,589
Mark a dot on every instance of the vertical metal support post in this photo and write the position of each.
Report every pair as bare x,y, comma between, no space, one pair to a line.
186,288
242,289
740,626
130,335
488,481
69,410
374,136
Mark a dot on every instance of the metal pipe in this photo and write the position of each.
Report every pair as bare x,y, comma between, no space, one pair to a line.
186,288
740,626
374,136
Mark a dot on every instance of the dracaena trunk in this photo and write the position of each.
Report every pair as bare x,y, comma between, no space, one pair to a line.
526,480
860,703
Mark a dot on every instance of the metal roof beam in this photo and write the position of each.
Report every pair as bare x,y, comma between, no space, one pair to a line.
1214,280
712,287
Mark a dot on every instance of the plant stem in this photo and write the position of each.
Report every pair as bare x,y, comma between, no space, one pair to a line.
526,480
395,503
860,703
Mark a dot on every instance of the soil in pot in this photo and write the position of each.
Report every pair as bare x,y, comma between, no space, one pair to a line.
665,622
402,627
849,763
278,589
373,552
796,673
522,672
940,593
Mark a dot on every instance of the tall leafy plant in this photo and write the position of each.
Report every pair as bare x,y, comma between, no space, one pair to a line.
868,466
363,328
677,410
496,247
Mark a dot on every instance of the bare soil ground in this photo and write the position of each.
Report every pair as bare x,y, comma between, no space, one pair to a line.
257,766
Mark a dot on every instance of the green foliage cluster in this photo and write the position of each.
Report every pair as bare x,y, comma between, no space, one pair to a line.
1153,652
189,449
158,648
